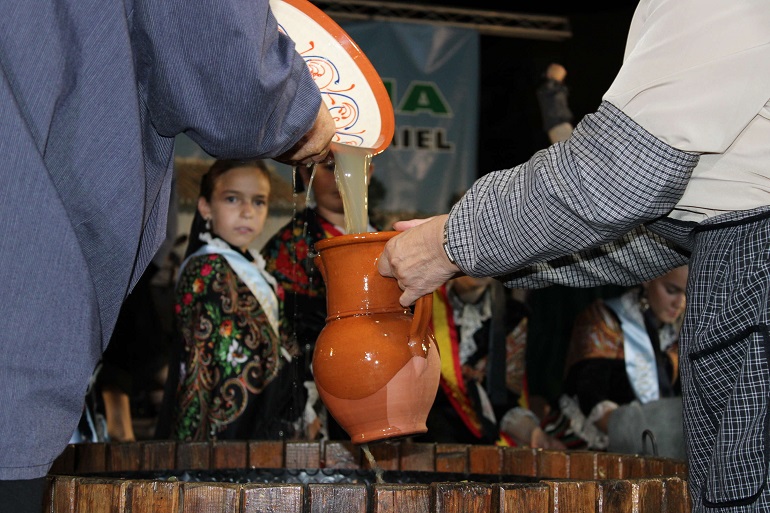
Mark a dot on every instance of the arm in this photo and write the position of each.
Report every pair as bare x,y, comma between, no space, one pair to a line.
608,178
628,163
222,73
693,72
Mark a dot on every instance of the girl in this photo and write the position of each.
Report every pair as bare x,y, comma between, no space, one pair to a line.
625,351
227,312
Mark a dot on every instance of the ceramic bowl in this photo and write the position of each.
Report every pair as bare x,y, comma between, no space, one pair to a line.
349,84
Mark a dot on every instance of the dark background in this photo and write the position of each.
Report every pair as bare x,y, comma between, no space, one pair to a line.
511,69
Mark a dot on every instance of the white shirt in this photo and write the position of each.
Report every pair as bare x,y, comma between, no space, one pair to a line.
696,75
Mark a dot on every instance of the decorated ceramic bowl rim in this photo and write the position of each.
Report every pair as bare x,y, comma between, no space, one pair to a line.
359,59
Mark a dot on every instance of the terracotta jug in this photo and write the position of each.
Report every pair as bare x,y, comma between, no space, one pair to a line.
376,365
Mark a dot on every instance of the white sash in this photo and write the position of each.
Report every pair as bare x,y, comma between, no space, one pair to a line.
641,366
253,274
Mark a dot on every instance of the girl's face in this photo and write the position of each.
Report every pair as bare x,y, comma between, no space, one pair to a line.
238,206
666,295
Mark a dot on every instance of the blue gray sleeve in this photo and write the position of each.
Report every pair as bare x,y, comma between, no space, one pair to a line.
220,72
591,190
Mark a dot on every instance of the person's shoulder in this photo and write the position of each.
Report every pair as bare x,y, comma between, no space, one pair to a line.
196,281
206,264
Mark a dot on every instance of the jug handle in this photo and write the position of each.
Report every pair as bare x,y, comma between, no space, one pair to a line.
423,311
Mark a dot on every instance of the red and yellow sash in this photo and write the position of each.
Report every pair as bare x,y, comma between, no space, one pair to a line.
452,381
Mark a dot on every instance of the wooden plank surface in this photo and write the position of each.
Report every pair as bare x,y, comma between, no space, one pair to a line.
193,456
60,494
553,464
124,456
90,457
386,454
634,466
303,455
451,458
340,454
485,459
583,465
98,496
520,461
615,496
650,495
154,497
462,497
673,467
602,466
418,457
342,498
573,496
676,496
568,479
210,498
524,498
654,466
409,498
159,455
64,464
613,465
266,454
229,454
282,498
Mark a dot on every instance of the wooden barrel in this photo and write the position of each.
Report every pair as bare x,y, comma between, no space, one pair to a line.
560,481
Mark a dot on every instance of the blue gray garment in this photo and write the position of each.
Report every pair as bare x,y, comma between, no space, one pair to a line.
92,94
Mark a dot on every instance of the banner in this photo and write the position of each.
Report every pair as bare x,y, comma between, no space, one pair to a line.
431,73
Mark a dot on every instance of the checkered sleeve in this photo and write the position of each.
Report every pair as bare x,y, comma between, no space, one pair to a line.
637,256
586,194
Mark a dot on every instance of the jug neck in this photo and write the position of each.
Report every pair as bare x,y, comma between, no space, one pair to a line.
354,286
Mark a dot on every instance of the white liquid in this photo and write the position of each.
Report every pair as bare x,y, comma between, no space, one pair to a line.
373,463
351,172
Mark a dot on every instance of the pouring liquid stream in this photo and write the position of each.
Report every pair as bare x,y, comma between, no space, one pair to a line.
370,458
351,172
